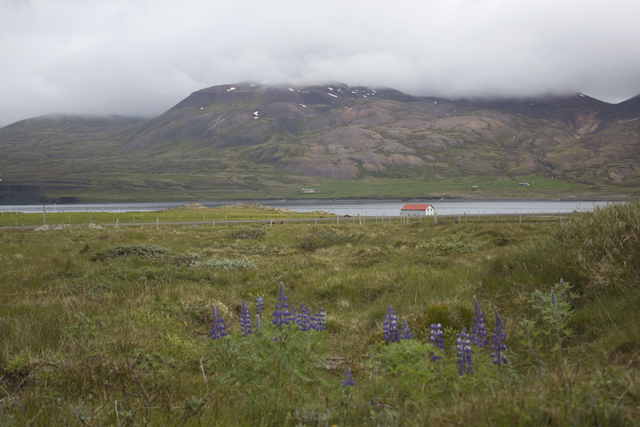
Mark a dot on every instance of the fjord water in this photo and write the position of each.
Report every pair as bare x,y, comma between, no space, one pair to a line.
344,207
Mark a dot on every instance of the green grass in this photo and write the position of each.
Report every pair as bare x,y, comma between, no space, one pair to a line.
169,215
89,318
468,187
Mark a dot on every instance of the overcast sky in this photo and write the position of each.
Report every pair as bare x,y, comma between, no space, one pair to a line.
140,57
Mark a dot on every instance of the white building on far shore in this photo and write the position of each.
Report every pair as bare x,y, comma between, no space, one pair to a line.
417,210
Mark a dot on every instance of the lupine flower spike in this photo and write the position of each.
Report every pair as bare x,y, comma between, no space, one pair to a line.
318,322
245,320
435,336
217,325
259,305
302,318
463,348
405,331
478,331
390,325
498,346
348,378
293,315
281,313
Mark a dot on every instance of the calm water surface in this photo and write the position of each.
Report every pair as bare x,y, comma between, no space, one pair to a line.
347,207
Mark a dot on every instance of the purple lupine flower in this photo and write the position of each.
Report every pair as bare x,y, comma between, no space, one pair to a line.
245,319
463,348
259,305
478,331
348,378
302,318
281,313
405,330
499,337
318,322
390,325
313,323
217,325
435,336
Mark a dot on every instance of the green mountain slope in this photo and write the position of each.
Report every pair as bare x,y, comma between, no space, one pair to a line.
254,141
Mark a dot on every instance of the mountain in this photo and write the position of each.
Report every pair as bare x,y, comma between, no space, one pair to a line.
255,141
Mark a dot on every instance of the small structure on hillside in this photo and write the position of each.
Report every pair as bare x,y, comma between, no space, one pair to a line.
308,190
417,210
523,184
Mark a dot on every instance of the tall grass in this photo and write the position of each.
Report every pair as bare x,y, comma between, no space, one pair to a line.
89,318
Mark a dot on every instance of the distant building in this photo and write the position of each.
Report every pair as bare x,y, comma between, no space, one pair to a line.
417,210
308,190
523,184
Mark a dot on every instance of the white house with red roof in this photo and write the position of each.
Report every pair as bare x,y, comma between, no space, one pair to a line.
417,210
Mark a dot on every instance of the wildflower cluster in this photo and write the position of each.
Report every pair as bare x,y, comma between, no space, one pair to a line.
218,329
318,321
435,336
259,305
405,330
301,318
348,378
478,331
390,325
245,320
498,345
281,315
463,348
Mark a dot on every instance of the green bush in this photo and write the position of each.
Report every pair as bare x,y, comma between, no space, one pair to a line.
246,233
186,259
144,250
274,369
227,264
322,238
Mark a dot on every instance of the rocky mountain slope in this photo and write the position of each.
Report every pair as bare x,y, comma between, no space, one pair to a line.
265,137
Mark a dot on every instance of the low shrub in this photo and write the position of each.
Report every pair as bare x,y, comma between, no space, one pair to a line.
186,259
227,264
144,250
246,233
322,238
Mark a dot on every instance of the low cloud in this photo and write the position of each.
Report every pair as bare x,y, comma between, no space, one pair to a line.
140,57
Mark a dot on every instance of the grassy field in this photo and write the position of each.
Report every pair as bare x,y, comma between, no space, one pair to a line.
245,211
33,186
111,327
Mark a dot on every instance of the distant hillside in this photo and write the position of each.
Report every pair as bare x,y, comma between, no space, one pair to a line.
255,141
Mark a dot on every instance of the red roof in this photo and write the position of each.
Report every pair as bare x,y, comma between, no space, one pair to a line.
414,207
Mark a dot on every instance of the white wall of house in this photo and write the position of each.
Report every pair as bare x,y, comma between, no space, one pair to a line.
430,211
